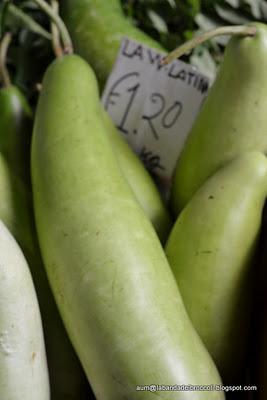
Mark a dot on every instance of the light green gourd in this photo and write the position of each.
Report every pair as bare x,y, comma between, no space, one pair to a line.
107,269
140,181
211,250
233,118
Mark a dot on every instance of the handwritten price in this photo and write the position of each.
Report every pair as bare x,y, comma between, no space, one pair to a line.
129,85
152,105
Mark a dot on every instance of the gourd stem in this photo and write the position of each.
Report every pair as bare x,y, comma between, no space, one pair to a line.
28,21
4,45
55,32
239,30
65,37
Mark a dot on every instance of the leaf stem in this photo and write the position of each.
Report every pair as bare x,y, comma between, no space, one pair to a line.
4,45
55,32
28,21
67,43
240,30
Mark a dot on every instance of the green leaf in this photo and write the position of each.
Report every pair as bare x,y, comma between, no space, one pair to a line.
205,63
234,3
255,7
158,23
231,16
264,10
171,3
205,22
22,19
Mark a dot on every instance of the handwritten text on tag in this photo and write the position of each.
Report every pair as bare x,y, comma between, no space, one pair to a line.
153,106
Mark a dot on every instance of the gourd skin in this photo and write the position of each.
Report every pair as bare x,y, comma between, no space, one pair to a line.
107,269
140,181
233,118
96,28
23,365
98,25
211,249
15,130
67,380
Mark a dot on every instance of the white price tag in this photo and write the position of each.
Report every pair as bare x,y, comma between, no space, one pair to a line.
153,106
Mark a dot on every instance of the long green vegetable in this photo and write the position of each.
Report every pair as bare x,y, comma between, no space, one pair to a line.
211,250
107,269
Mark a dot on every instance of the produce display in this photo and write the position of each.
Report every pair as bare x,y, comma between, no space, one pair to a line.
66,375
110,290
233,118
211,250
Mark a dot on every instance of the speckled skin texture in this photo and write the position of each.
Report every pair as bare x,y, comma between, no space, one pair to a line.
233,118
211,250
140,181
108,271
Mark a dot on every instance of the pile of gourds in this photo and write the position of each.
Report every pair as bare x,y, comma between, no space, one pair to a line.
136,313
